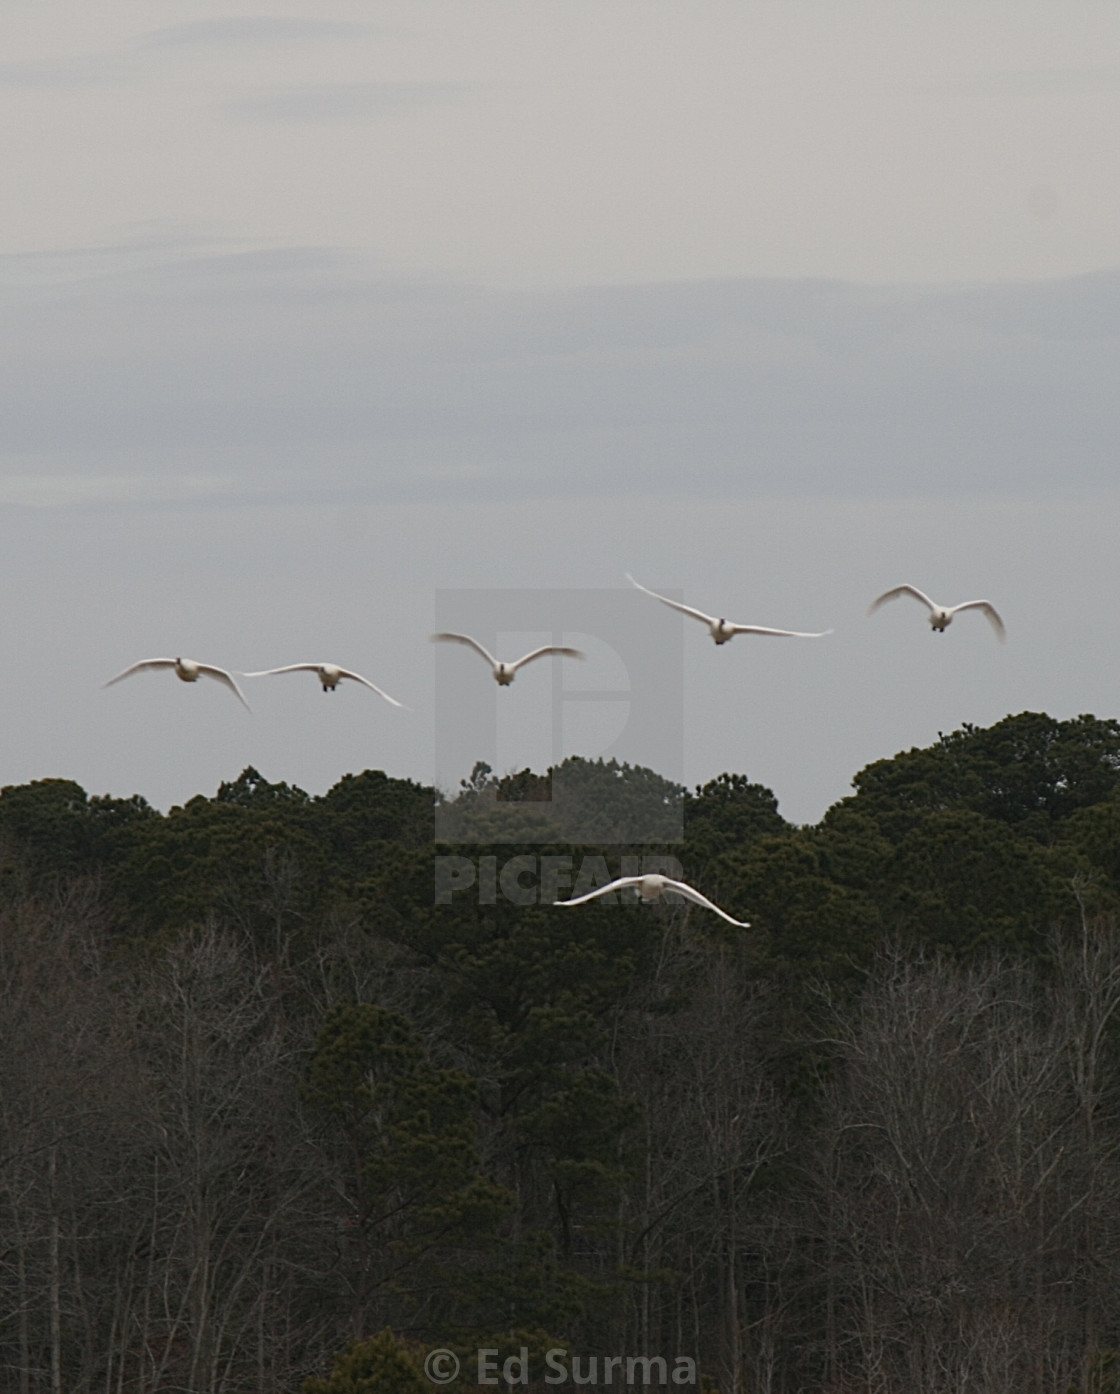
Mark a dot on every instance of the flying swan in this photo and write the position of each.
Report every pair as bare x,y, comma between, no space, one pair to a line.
186,670
330,675
504,673
652,887
720,630
941,616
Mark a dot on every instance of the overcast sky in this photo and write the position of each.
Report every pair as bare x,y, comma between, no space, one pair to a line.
312,312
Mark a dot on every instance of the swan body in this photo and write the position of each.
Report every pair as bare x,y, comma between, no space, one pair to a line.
652,887
720,629
941,616
186,670
504,673
330,675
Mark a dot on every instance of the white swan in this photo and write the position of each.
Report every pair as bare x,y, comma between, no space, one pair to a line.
186,670
330,675
720,630
652,887
941,616
504,673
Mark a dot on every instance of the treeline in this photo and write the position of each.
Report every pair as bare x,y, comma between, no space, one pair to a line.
260,1096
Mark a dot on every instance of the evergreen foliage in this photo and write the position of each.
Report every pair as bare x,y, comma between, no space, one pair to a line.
263,1096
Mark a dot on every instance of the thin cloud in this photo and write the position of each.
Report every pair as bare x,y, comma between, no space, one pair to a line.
255,31
239,33
171,254
295,375
1034,82
352,101
88,71
77,490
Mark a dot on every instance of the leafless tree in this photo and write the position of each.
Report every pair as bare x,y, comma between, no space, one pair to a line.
963,1143
712,1122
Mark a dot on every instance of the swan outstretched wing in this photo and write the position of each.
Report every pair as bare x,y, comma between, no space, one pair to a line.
990,612
619,885
318,669
673,604
780,633
539,653
357,677
210,671
896,592
220,675
464,639
291,668
683,888
138,667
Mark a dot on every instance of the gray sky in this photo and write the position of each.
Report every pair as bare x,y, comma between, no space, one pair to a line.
308,313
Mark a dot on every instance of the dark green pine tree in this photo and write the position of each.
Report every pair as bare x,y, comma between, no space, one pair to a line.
418,1210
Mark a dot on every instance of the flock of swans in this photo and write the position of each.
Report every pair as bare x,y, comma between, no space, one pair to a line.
190,670
652,887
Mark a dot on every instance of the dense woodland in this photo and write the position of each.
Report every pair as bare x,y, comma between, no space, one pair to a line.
260,1096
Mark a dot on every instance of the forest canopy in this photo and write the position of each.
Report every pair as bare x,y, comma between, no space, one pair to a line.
271,1113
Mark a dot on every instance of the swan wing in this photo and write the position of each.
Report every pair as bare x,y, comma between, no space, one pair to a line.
357,677
619,885
780,633
220,675
674,604
291,668
139,667
896,592
689,893
546,648
990,612
464,639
